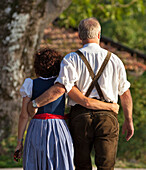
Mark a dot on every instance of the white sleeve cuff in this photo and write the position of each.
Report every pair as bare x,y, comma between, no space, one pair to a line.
68,86
124,88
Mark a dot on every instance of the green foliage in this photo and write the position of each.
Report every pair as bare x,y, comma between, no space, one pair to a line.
78,10
103,10
136,147
129,31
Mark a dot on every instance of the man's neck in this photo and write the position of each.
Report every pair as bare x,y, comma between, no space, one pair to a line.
90,41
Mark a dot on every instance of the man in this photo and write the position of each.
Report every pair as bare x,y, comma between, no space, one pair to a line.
98,128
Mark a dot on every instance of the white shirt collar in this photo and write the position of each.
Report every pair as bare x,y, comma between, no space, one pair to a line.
92,44
47,78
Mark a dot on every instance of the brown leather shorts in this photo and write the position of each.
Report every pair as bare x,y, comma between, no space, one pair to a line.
98,128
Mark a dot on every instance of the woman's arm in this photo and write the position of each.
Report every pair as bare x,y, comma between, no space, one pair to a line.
23,119
89,103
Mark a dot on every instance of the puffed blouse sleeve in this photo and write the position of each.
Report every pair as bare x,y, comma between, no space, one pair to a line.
26,88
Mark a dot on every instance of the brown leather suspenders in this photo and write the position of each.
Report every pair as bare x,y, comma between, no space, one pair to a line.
93,76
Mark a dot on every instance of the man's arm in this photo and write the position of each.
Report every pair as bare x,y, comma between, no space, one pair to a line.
126,102
89,103
50,95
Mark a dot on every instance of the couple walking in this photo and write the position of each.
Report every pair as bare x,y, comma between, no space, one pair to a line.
89,72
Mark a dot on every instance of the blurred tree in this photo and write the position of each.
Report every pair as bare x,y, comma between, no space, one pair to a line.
21,29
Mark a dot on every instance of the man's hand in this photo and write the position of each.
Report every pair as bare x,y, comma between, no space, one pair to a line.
31,110
129,128
126,102
115,108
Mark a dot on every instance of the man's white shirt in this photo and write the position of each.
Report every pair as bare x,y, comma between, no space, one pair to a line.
73,71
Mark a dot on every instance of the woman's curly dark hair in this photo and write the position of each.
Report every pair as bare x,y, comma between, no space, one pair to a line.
47,62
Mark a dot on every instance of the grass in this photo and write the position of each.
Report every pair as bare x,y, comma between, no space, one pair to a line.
6,161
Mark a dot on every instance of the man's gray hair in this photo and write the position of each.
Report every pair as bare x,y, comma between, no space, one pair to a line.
89,28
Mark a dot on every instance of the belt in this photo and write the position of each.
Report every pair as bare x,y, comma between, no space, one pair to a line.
48,116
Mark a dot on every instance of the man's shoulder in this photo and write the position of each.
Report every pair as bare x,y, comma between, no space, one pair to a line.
104,51
114,57
71,55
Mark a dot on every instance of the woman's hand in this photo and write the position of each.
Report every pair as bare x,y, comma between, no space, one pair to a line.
18,151
31,110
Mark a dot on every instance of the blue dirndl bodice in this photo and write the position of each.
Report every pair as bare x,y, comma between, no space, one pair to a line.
40,86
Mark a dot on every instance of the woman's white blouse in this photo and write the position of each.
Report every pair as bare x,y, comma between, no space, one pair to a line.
26,88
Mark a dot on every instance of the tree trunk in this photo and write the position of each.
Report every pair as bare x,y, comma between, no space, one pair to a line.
21,29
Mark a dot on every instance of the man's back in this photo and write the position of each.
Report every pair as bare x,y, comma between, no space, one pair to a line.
112,81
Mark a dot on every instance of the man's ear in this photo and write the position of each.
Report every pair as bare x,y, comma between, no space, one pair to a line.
99,35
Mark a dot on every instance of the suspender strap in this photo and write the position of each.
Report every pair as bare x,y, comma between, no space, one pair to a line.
97,88
97,77
94,78
86,63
